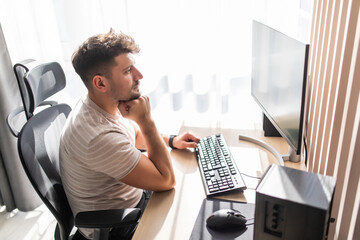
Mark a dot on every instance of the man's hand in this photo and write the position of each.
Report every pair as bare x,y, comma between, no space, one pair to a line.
185,140
138,110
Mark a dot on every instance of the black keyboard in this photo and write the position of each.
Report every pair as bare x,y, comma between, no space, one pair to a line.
217,166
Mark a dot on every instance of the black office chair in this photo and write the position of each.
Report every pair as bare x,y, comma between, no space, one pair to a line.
38,146
36,83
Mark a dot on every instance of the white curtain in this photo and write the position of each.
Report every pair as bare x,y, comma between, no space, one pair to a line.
196,54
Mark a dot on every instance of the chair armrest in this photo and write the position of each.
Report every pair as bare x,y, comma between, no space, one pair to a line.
9,120
107,218
16,111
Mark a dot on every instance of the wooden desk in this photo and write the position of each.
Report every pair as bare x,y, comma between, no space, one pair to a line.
172,214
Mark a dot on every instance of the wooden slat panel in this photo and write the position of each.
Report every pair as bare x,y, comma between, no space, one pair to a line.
339,140
313,81
330,102
333,132
340,87
349,126
323,89
352,171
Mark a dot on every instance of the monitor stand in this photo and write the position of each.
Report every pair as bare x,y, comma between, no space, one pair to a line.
265,145
292,156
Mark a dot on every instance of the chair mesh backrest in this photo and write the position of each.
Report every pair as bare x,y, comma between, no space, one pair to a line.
38,146
44,81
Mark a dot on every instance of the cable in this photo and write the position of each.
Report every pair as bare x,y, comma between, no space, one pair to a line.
250,176
306,153
250,188
249,223
277,155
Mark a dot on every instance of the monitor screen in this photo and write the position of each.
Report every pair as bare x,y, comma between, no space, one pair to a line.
279,69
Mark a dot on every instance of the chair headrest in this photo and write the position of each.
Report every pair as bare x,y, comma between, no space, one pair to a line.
44,81
20,70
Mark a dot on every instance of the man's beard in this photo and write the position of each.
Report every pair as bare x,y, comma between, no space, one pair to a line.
133,95
138,94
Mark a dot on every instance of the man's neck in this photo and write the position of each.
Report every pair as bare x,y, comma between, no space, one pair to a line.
105,104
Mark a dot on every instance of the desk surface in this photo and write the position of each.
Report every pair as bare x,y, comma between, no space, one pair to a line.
172,214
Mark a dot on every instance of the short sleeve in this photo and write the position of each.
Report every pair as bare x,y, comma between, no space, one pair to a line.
113,154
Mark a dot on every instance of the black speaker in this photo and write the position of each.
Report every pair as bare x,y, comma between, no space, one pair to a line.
293,204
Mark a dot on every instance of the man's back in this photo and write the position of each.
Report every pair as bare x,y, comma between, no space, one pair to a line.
97,149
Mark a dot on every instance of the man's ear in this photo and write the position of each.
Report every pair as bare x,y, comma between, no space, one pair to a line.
99,83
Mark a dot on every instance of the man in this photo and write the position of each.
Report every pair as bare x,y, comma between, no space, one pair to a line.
100,161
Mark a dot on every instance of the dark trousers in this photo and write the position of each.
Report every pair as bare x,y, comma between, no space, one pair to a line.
127,232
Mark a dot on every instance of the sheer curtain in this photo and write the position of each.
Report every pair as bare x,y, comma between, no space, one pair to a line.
195,58
192,51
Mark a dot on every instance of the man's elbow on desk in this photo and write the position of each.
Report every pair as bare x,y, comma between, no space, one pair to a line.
166,187
172,183
148,176
167,184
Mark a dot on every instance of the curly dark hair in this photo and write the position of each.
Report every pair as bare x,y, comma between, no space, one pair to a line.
96,55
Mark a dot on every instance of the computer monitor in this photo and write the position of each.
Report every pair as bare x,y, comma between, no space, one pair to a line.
278,81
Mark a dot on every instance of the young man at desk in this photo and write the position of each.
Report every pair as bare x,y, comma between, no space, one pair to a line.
100,161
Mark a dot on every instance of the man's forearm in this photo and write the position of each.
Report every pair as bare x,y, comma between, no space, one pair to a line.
157,149
140,140
166,139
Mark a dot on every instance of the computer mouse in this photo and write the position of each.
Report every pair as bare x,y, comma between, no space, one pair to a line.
226,219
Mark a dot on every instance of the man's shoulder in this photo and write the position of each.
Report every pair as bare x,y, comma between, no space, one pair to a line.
87,121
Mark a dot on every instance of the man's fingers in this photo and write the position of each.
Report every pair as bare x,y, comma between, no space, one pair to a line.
190,145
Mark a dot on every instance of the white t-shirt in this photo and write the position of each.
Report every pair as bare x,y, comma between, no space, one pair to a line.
97,149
